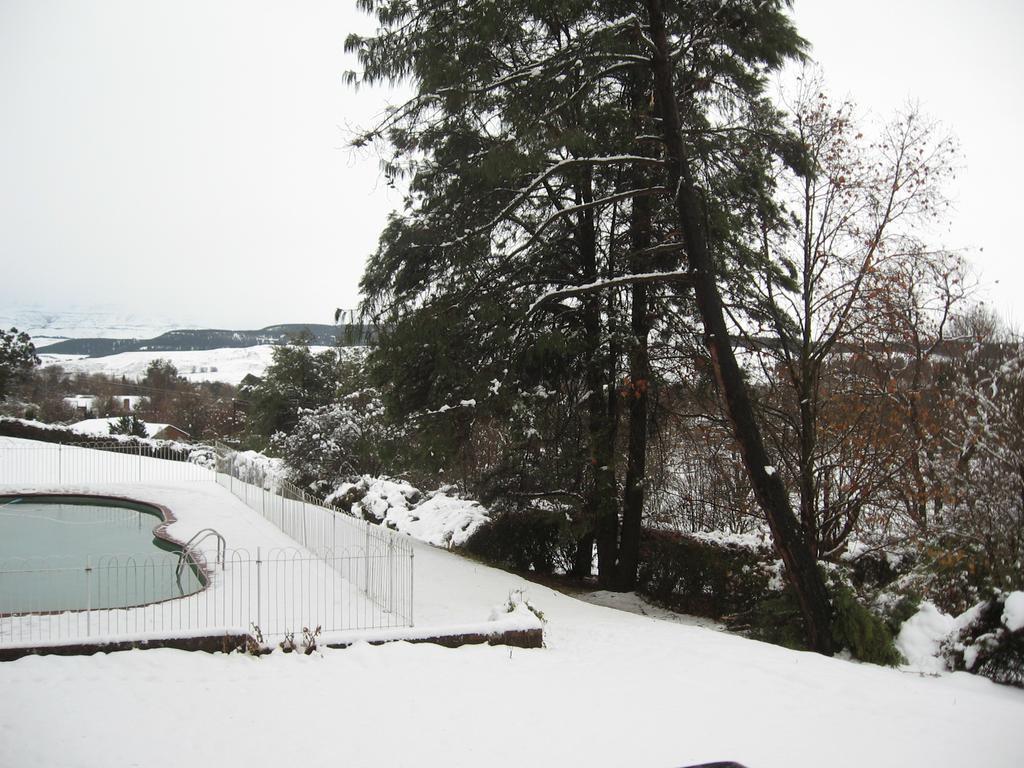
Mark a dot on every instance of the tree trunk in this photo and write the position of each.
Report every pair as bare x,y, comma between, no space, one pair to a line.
639,374
583,561
602,501
801,568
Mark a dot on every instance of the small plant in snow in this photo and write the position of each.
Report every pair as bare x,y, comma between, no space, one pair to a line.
288,644
309,639
254,641
516,598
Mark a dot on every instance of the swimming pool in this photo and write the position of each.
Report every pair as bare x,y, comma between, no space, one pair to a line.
65,552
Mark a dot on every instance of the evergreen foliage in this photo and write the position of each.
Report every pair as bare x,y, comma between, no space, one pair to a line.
129,424
866,635
339,441
17,357
297,380
776,620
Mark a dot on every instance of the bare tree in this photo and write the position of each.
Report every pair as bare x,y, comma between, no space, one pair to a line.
831,287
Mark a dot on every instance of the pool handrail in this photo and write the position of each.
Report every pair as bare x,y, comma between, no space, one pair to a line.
196,539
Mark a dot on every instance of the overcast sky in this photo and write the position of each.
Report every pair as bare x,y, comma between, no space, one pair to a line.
188,158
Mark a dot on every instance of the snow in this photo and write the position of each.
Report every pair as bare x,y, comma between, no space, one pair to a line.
440,520
679,693
754,541
921,636
229,365
1013,611
437,519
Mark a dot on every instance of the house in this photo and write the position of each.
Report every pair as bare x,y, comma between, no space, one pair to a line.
81,404
85,405
168,432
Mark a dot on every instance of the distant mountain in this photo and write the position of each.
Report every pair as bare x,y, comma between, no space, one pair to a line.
201,339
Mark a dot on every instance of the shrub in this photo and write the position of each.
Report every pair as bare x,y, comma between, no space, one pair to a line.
525,539
955,574
873,570
343,439
775,619
988,647
865,634
703,577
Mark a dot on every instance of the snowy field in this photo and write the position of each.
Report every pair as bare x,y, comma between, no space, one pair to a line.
229,365
612,688
49,324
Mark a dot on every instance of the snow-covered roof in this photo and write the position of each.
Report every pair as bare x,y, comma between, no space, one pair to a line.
101,427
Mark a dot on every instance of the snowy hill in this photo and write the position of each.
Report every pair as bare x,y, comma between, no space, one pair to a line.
49,324
229,365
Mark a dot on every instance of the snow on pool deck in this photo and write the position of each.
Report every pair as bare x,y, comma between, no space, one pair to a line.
199,505
230,594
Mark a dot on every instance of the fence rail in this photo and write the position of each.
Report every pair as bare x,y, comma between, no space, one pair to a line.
347,574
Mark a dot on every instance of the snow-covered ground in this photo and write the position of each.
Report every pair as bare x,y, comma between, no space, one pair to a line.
612,688
229,365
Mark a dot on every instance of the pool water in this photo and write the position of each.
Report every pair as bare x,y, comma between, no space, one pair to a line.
68,553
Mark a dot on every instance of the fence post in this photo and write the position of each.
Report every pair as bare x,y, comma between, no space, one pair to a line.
140,462
390,583
366,559
259,592
88,596
412,576
60,463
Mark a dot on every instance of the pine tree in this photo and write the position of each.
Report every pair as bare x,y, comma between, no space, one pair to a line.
129,424
17,357
526,146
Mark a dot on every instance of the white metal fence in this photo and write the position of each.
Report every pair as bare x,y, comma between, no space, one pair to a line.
387,556
348,573
280,591
27,462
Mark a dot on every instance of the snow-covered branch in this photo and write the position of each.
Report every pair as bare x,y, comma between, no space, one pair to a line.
677,276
